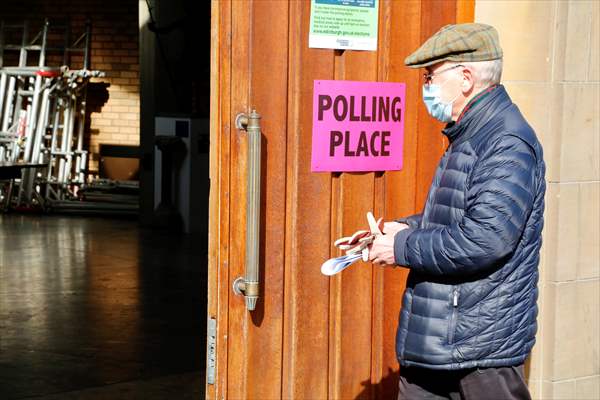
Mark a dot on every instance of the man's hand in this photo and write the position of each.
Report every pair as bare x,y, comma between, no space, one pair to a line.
382,250
391,228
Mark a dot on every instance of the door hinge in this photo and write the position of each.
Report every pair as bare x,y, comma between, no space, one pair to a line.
211,351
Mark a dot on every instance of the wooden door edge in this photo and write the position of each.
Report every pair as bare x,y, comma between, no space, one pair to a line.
465,11
217,305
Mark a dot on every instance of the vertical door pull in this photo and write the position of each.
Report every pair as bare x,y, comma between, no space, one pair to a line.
249,285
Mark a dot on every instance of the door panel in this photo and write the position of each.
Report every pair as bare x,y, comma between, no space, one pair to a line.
310,336
268,77
238,339
308,213
351,292
218,232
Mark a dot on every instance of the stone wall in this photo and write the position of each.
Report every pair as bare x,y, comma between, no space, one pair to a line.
551,70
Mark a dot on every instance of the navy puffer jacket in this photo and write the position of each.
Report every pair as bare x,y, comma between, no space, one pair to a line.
473,254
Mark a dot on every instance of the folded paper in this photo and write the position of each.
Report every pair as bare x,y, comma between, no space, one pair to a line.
355,246
338,264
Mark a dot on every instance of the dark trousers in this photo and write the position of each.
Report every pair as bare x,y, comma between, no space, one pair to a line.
502,383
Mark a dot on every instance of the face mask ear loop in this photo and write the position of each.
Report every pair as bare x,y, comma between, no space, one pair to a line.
451,101
455,97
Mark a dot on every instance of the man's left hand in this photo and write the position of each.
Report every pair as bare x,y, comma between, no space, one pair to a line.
382,250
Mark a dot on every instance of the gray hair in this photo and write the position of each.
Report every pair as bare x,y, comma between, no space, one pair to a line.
486,73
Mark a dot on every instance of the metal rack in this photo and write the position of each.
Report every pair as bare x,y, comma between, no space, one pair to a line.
42,114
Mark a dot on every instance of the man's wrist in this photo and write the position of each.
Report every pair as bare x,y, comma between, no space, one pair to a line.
400,246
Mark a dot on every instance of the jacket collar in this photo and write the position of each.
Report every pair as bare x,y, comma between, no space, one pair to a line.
478,111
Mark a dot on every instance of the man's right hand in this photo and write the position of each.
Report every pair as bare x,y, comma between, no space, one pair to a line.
391,228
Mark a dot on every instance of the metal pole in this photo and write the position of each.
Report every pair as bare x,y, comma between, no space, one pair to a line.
63,143
1,45
9,104
42,59
80,164
3,79
24,40
53,141
32,119
41,124
69,150
86,51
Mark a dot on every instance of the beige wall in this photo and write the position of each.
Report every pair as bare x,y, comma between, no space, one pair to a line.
551,70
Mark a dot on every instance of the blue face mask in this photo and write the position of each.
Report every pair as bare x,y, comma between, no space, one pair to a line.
432,97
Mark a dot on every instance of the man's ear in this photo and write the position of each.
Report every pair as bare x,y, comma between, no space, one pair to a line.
468,84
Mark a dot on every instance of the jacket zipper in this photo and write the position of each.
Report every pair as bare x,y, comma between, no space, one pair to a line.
453,316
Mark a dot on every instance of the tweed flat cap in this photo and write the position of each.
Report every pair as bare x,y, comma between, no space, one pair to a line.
461,42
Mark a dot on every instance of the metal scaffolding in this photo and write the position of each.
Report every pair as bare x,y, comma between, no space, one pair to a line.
42,114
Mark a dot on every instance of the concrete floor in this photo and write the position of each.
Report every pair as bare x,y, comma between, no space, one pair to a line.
96,308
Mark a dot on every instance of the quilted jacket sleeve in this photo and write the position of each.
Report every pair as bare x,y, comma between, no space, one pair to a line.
413,221
498,203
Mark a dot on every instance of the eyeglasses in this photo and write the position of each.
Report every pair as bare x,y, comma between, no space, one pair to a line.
429,77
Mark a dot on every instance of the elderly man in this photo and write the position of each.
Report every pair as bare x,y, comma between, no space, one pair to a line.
468,318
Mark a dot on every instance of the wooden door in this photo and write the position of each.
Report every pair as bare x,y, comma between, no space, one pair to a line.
310,337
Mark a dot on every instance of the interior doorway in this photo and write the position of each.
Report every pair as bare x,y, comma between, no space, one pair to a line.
100,304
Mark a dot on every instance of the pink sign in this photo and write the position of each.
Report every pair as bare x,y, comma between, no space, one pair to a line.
357,126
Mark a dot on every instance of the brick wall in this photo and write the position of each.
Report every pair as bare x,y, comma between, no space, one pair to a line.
114,100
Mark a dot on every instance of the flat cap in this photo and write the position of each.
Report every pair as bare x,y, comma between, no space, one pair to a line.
460,42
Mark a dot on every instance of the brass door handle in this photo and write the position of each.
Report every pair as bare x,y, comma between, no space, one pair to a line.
249,284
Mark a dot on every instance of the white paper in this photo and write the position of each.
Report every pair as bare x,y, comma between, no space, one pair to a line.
335,265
